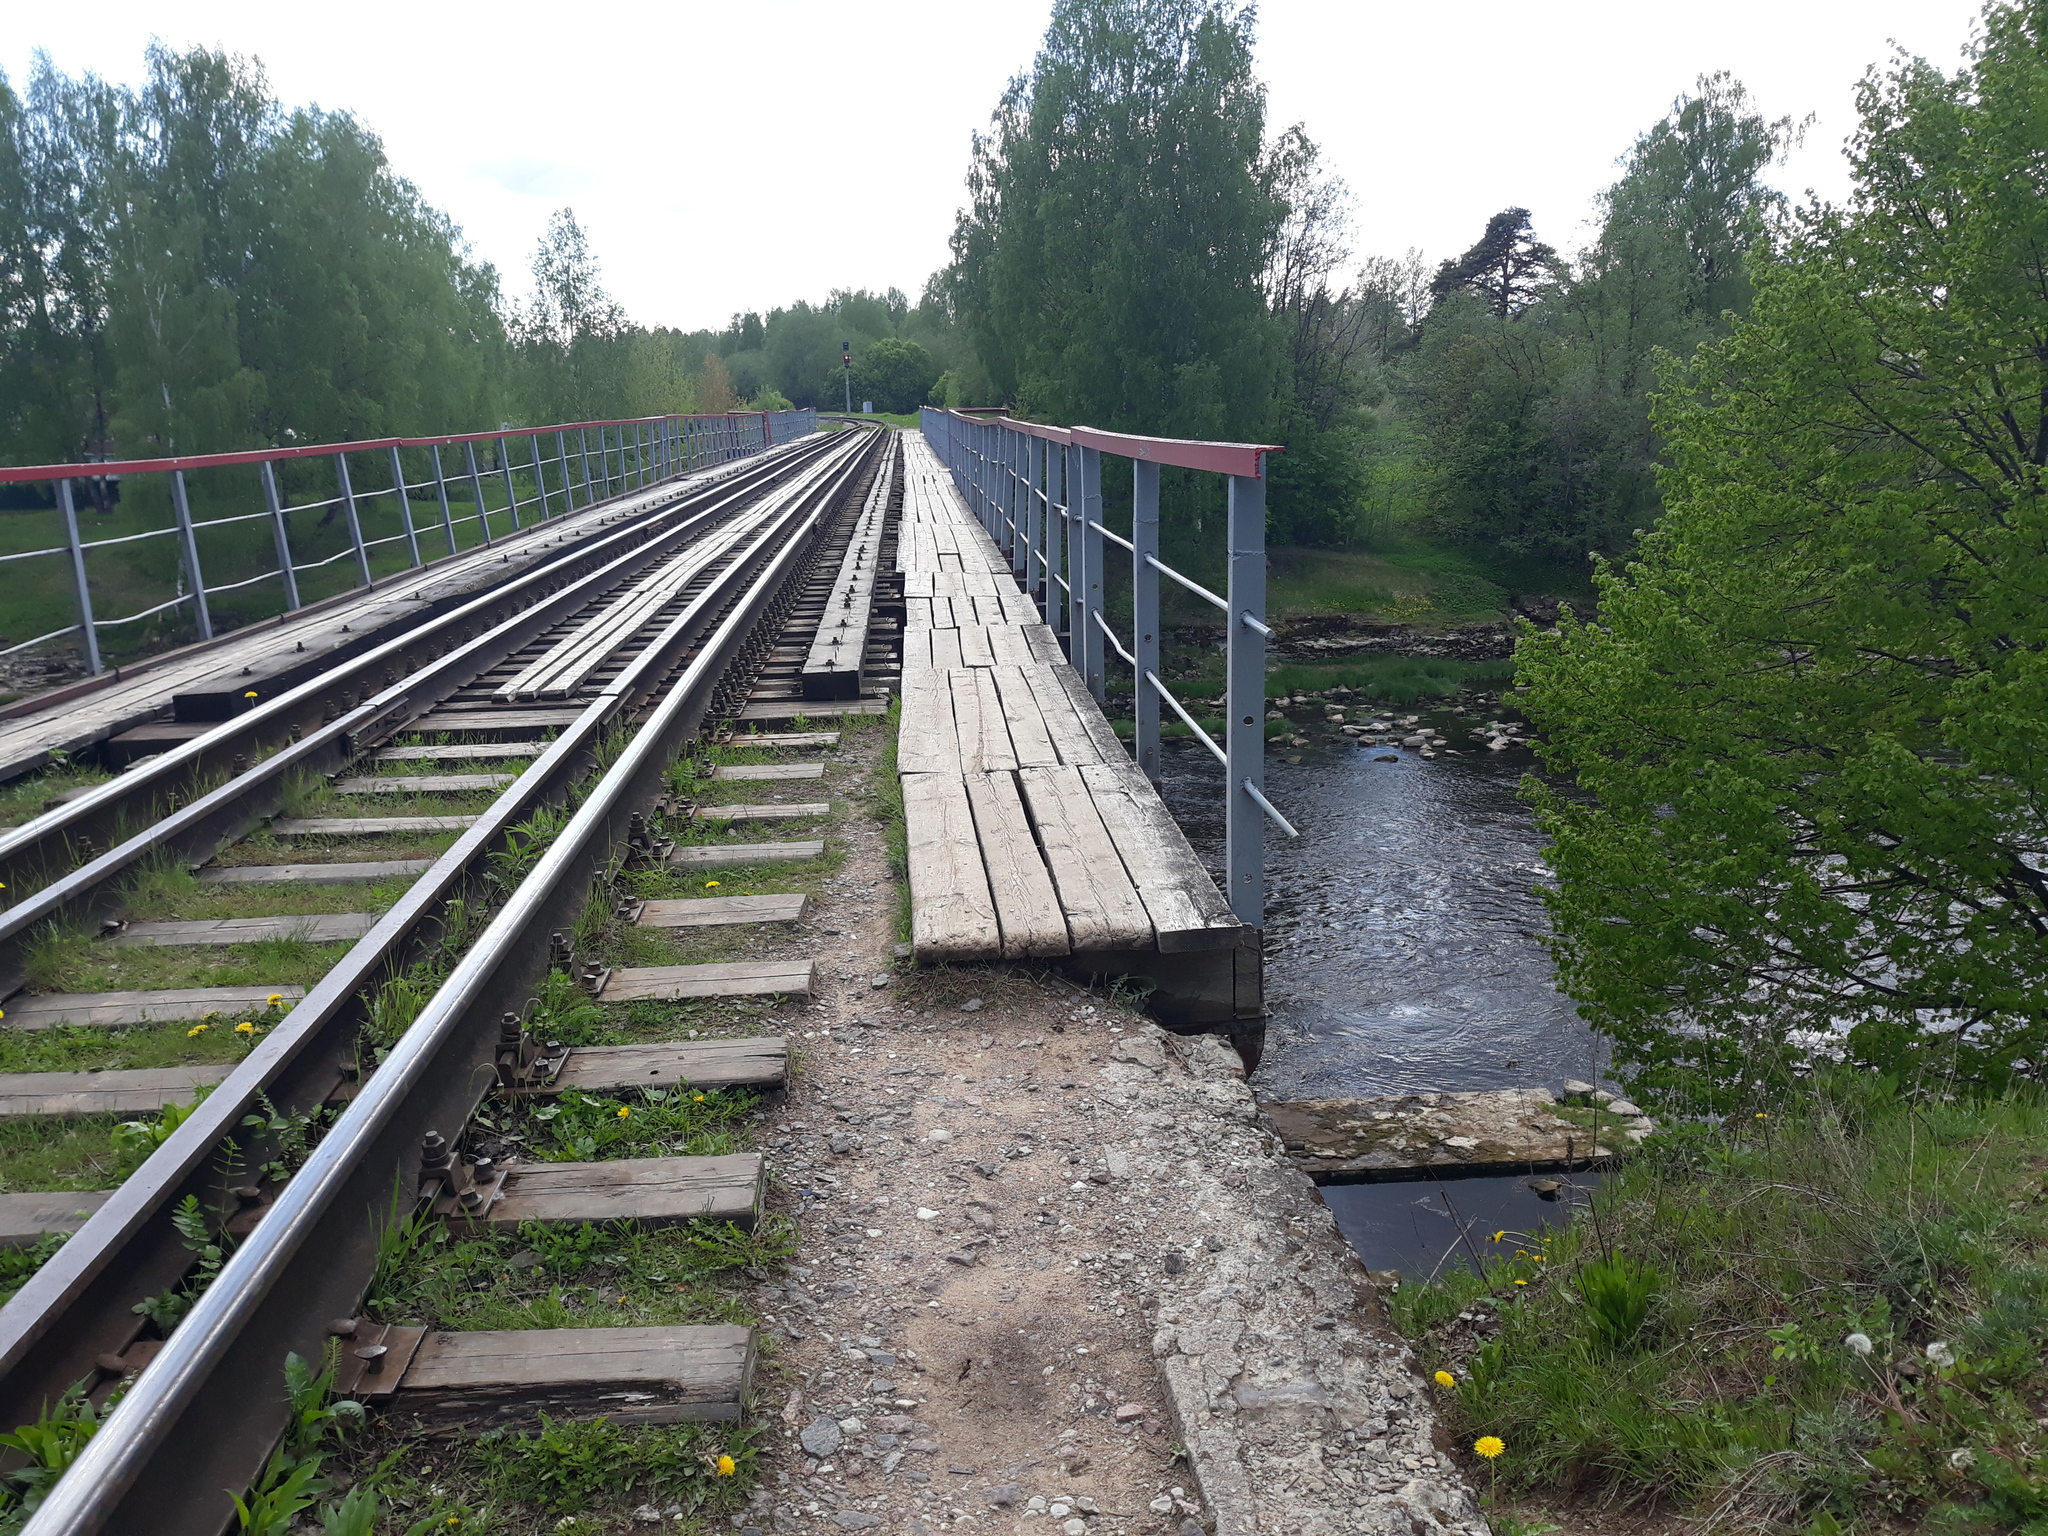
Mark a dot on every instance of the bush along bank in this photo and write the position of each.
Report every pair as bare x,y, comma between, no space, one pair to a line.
1828,1318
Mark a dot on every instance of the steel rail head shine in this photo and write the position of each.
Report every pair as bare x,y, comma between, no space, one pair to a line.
202,1414
1062,559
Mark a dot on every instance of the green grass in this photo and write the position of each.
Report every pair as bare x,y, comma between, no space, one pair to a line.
84,1048
72,962
22,799
1824,1317
40,1154
171,894
1410,579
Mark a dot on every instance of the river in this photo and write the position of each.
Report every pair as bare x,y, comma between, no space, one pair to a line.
1402,950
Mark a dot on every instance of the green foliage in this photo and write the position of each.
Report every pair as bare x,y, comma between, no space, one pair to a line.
1830,1311
48,1447
895,374
135,1140
679,1122
1809,729
573,1466
18,1264
1122,215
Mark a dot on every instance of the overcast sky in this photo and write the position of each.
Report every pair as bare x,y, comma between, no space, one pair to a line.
730,157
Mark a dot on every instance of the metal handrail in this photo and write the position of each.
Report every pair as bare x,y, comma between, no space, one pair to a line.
1058,549
647,450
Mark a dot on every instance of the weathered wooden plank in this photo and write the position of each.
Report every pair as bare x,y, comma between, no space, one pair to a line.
122,1009
1107,743
463,752
26,1217
927,741
743,853
742,978
762,812
946,654
769,771
917,649
495,722
978,718
952,913
1030,741
366,826
759,1063
720,911
372,873
423,784
975,650
1007,645
1062,726
1027,907
143,1091
314,928
778,709
784,739
1102,907
477,1381
917,613
1187,911
650,1190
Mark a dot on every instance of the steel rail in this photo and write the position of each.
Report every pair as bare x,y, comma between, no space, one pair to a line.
201,1417
429,661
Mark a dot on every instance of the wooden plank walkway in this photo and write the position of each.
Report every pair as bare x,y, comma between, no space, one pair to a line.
1032,833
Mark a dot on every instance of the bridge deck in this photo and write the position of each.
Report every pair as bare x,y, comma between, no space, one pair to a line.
1032,834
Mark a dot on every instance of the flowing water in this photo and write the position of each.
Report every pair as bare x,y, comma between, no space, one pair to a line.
1402,952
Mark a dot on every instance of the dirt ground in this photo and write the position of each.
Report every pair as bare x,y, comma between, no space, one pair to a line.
963,1334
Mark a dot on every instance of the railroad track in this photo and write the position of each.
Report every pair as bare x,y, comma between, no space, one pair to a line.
580,681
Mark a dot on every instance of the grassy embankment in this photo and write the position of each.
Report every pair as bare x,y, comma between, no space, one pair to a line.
1829,1316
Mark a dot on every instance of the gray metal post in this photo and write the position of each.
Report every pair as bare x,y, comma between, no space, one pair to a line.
86,627
639,461
280,536
540,478
1092,648
476,488
1244,824
1055,533
511,490
1077,563
583,437
562,463
441,495
1145,611
182,509
355,526
1034,512
1017,465
412,538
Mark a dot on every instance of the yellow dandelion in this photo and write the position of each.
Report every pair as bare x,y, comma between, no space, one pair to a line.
1503,1232
196,1030
245,1028
1521,1253
726,1466
250,694
1521,1282
1761,1115
274,999
624,1112
696,1098
1538,1258
711,885
1446,1379
1489,1446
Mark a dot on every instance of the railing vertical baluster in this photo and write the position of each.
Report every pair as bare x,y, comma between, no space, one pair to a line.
639,458
476,487
1055,534
441,495
355,525
1034,519
280,536
1077,563
86,627
412,538
1145,612
1017,466
583,437
540,480
1092,649
202,616
511,490
1244,825
562,463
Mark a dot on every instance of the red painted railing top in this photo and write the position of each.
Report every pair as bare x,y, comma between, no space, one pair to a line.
315,450
1180,452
